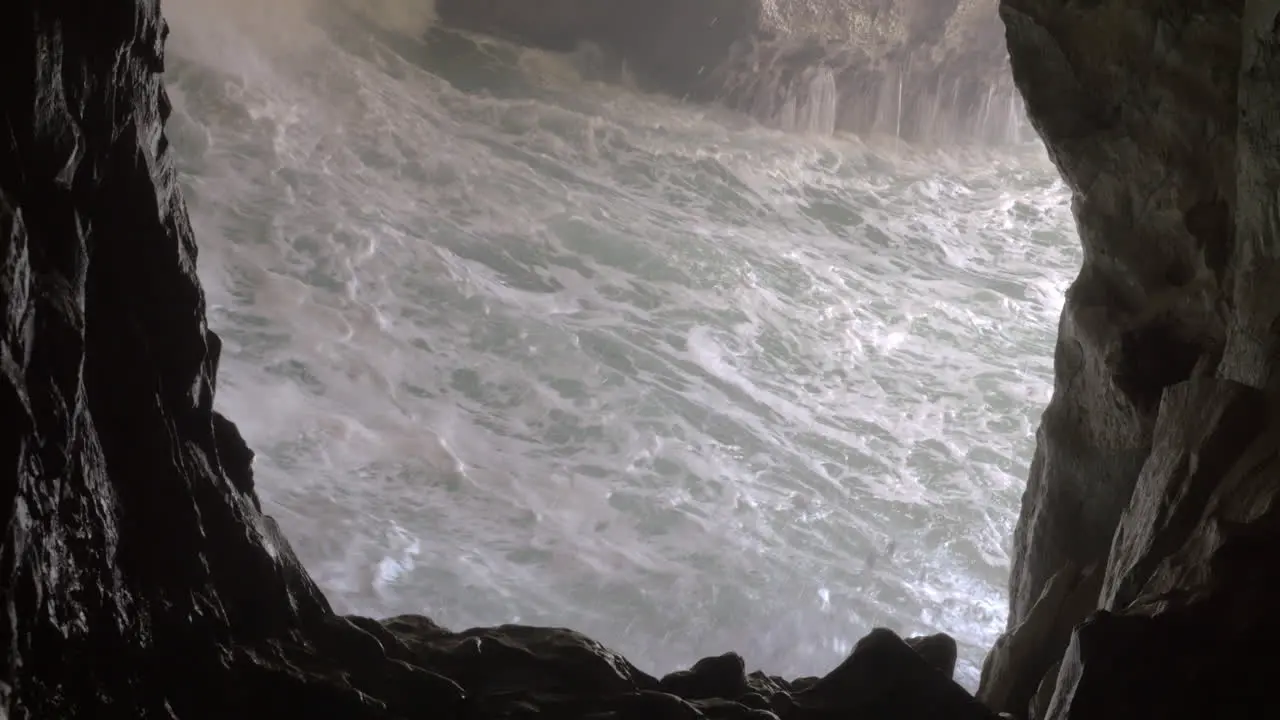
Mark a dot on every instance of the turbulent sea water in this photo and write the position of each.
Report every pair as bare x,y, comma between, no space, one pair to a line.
518,346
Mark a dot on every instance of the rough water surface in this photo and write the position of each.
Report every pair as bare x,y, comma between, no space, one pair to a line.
517,345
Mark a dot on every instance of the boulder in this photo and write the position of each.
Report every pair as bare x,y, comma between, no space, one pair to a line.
1137,106
721,676
939,650
885,678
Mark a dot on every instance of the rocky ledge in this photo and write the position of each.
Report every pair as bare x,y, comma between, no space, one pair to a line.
930,70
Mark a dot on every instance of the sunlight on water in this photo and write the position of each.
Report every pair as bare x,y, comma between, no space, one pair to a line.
514,346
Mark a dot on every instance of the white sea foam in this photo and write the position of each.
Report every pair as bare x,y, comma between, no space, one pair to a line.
516,346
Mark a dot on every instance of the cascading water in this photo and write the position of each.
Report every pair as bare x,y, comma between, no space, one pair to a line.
815,111
517,346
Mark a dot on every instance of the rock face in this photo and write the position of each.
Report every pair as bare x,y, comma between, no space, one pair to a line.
1157,457
1016,667
141,579
931,70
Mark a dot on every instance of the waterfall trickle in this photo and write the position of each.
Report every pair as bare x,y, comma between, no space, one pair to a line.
811,107
827,88
897,130
819,113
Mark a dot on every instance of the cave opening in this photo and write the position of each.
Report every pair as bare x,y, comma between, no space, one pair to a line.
710,326
517,339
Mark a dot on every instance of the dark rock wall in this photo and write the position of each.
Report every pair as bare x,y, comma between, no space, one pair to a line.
1157,237
131,530
1137,107
1157,460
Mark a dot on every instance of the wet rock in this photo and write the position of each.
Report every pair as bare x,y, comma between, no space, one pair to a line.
804,683
132,542
767,685
649,704
755,700
1156,456
1198,580
517,657
1039,708
723,676
1178,664
885,678
1204,426
1022,657
938,650
719,709
1150,156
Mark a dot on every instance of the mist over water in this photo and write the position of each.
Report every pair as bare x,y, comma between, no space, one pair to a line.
514,345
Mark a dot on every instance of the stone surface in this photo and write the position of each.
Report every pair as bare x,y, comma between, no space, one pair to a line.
1021,658
938,650
141,578
920,69
1157,456
1196,608
1203,427
1038,709
1137,106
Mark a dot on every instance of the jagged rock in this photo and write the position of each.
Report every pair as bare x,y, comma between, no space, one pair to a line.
1022,657
1179,664
767,685
1199,583
717,709
804,683
517,657
130,529
939,650
885,678
922,70
722,676
1204,426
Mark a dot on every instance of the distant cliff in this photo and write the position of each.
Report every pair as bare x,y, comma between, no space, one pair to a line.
928,70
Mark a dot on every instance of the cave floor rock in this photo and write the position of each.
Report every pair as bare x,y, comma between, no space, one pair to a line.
405,667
